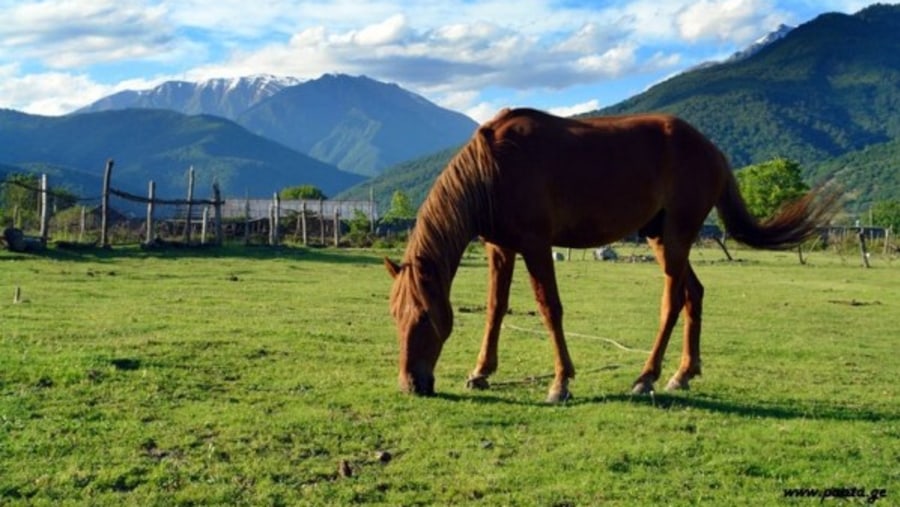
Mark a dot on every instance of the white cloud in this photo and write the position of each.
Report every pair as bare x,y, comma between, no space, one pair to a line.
232,19
64,34
738,21
649,20
50,93
613,62
584,107
458,100
589,38
483,111
391,30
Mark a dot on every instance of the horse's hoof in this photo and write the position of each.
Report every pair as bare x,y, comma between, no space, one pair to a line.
642,387
677,383
559,396
479,383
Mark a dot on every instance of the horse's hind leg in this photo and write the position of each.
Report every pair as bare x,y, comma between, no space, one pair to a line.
500,263
673,260
690,355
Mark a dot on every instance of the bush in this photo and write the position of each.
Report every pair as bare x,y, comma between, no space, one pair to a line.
360,230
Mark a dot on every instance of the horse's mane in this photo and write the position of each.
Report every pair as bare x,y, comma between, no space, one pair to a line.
458,207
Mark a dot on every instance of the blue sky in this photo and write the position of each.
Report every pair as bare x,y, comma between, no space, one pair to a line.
565,56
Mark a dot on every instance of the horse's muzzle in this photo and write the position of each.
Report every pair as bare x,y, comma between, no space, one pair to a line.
419,383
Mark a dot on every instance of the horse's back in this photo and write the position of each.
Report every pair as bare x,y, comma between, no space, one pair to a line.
607,155
594,180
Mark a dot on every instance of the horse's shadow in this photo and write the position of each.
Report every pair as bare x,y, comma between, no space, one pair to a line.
811,410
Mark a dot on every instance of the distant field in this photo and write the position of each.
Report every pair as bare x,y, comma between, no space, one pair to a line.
247,376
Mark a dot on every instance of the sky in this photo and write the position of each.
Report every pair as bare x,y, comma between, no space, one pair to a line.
564,56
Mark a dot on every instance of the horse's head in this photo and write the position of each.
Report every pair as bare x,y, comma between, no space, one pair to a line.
420,305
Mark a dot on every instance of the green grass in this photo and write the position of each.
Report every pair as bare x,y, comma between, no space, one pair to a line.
246,376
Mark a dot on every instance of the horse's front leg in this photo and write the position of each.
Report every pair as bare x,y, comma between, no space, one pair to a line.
501,262
543,281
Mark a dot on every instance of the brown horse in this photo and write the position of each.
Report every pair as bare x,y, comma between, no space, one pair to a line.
527,181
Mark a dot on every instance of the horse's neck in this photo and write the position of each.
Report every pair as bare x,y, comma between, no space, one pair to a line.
440,245
455,211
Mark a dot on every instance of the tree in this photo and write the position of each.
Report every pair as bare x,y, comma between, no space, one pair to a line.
401,208
769,185
20,200
308,192
886,214
359,229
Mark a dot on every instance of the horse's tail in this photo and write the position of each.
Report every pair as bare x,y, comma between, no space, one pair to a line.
792,224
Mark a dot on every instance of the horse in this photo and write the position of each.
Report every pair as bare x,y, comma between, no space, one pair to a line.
528,181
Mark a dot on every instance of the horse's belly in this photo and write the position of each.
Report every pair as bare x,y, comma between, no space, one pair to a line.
590,233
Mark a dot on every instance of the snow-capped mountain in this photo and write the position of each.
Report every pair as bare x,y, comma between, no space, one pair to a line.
750,50
223,97
761,43
356,123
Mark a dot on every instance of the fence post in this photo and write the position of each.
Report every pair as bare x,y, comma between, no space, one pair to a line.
271,221
321,222
104,206
303,224
247,219
44,215
862,247
217,210
81,230
190,203
203,225
337,226
276,218
151,194
371,210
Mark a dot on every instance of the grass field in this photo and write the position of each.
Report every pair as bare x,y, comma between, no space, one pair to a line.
249,376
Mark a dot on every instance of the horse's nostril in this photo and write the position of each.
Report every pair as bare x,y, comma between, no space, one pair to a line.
423,384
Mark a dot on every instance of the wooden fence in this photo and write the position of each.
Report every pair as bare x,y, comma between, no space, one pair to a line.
152,201
307,221
312,221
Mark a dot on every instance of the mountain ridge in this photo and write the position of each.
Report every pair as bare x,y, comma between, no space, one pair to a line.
161,145
338,119
225,97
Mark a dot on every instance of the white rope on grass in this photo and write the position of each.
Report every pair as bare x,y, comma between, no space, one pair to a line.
579,335
536,378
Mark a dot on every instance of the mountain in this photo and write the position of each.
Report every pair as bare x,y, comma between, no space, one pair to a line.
413,177
824,94
355,123
757,46
227,98
761,43
826,88
870,174
160,145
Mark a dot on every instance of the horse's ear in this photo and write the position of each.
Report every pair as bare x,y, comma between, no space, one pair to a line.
392,267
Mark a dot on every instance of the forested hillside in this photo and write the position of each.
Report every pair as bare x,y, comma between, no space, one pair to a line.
160,145
825,95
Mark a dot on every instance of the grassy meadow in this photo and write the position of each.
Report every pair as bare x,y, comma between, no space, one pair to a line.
257,376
